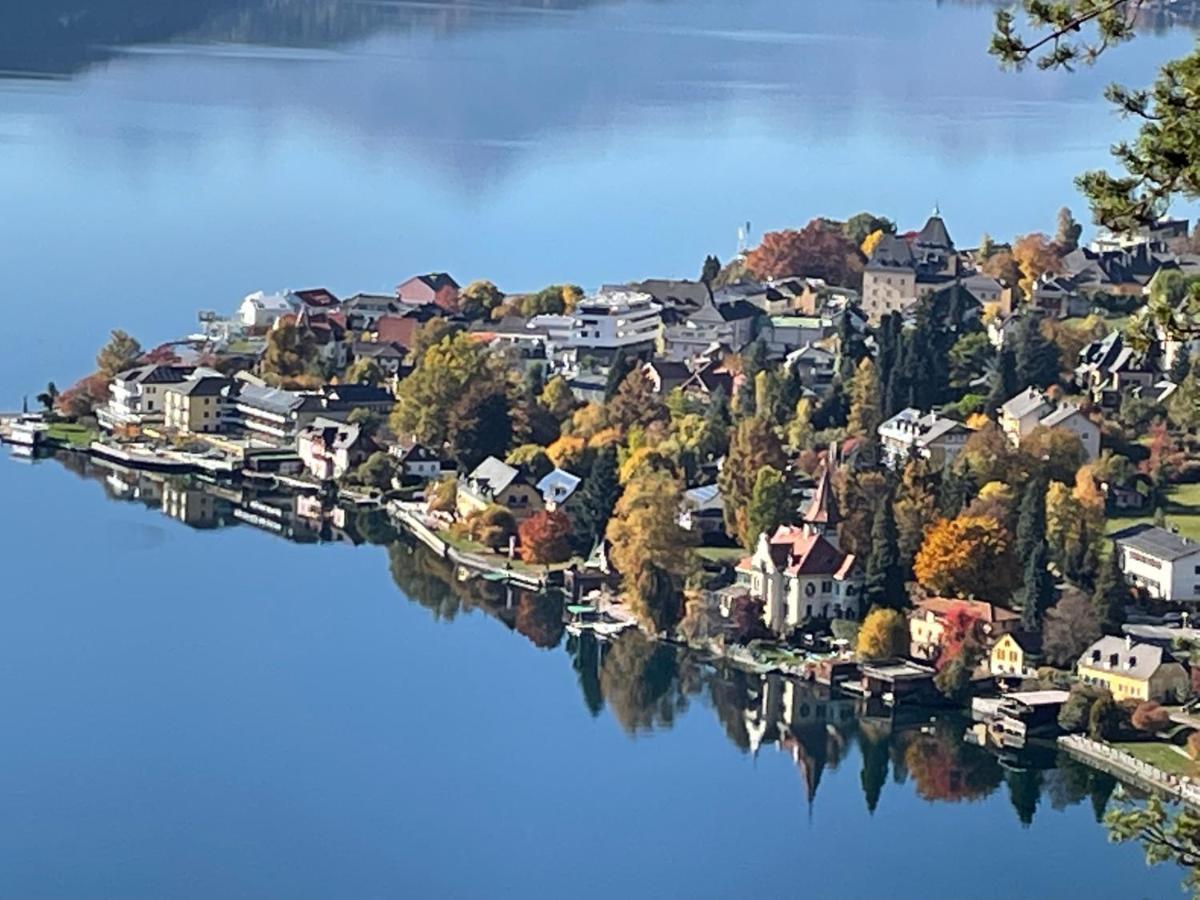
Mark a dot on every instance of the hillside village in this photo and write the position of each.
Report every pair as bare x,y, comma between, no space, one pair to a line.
855,454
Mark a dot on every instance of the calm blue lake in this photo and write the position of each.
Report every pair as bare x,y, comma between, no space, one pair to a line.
220,712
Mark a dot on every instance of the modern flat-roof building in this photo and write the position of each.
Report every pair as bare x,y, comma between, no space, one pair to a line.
605,323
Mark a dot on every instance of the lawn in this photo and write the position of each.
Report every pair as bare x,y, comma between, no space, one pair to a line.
70,433
1182,511
728,555
1164,756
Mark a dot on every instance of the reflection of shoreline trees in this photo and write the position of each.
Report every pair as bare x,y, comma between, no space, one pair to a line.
647,685
55,37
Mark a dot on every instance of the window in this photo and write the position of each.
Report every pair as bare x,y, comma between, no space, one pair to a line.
826,587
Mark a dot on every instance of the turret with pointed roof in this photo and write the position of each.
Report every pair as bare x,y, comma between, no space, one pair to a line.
821,514
934,235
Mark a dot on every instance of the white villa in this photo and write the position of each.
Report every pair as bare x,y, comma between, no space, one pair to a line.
911,434
801,573
1032,409
261,310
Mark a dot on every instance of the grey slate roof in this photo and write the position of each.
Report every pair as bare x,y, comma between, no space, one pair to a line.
156,373
703,495
891,252
1060,415
738,309
270,399
557,486
492,476
1156,542
202,387
1136,660
934,234
1024,403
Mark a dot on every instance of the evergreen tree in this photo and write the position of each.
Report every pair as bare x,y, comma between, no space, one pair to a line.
1038,591
769,505
885,580
1002,382
1031,521
865,401
1066,235
597,499
955,491
710,271
718,421
1181,365
621,366
769,397
1037,357
1111,594
894,393
851,349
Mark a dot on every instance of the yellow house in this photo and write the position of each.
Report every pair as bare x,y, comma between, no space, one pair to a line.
1132,671
1016,655
196,406
496,483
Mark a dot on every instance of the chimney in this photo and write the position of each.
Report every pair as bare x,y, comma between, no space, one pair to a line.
1128,642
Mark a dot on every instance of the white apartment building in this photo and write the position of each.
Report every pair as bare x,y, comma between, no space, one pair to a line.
604,323
137,396
1166,565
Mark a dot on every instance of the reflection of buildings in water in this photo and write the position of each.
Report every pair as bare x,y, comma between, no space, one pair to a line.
194,507
809,722
301,518
136,487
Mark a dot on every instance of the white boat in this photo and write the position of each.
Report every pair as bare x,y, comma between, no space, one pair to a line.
27,432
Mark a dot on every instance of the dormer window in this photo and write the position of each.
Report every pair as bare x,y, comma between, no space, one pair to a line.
1113,659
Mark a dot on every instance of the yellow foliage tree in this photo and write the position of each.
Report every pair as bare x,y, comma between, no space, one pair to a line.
969,556
568,452
1036,256
650,549
870,242
884,634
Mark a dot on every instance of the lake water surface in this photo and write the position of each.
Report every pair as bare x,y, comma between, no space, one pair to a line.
179,159
220,712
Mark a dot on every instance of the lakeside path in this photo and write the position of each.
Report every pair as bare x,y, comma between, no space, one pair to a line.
1130,769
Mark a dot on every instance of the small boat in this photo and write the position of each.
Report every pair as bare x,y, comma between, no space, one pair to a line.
27,431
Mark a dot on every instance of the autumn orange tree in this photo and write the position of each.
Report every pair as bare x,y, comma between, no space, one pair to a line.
946,768
969,556
962,626
546,538
1036,255
819,250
